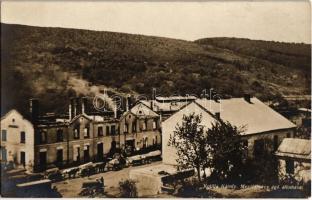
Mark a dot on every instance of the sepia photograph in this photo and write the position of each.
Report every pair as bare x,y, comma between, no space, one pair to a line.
155,99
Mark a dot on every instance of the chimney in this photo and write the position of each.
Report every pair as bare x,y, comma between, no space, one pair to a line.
154,94
34,110
152,103
115,111
218,115
128,103
83,104
247,98
72,107
70,111
216,99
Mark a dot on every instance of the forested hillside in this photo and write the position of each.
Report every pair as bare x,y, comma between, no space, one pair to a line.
53,64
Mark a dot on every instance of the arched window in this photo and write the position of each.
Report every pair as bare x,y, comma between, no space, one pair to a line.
86,132
76,132
144,126
43,136
154,124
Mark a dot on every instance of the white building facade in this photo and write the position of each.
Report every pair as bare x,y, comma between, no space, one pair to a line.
263,128
17,140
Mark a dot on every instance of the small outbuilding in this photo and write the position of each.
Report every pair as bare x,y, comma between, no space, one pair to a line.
294,157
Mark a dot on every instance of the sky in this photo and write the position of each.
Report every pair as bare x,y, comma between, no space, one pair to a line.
287,21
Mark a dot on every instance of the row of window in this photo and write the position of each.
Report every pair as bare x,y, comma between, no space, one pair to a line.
59,155
22,156
22,136
110,130
134,128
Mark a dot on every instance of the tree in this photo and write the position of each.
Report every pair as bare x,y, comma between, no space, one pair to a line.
219,148
226,150
190,142
303,132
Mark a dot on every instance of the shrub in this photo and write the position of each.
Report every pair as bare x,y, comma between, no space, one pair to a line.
194,188
128,189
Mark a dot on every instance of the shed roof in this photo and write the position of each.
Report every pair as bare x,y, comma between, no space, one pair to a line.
295,148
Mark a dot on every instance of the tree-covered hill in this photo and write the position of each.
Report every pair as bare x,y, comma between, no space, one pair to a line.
53,64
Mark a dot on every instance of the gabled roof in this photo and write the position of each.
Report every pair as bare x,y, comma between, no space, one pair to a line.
10,112
295,148
193,107
141,109
80,115
16,112
255,117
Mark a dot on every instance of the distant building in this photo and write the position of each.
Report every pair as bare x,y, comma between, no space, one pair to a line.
140,127
85,137
264,129
302,117
17,140
294,157
166,106
78,139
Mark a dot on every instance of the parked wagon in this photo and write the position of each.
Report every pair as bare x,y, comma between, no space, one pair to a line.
70,172
153,156
113,164
92,187
117,162
99,167
137,160
85,169
53,174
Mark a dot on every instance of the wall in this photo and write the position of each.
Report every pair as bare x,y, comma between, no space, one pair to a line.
14,124
139,133
168,127
147,184
269,136
169,153
69,143
299,167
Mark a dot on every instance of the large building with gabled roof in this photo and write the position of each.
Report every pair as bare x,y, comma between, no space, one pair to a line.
263,128
17,140
141,128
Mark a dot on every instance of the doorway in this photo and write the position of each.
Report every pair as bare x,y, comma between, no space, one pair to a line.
43,159
23,162
86,155
100,151
76,155
130,146
59,156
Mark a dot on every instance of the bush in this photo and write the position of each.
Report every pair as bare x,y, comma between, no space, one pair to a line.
128,189
193,188
262,170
